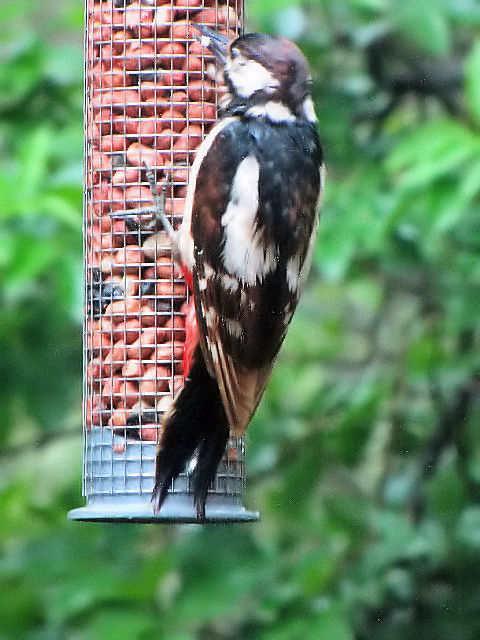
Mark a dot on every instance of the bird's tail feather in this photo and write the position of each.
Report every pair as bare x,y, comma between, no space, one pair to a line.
197,420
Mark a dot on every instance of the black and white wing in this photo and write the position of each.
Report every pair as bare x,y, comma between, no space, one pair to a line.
253,224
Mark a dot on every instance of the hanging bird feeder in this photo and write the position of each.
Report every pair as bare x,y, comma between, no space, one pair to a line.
150,98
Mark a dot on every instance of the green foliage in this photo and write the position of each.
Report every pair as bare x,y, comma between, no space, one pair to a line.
364,457
473,83
40,233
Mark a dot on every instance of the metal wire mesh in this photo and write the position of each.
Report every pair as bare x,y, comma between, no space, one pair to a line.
151,96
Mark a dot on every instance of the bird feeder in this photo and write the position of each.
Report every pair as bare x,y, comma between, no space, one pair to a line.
151,96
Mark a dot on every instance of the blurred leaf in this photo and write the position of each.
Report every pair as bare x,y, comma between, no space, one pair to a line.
59,208
444,143
118,624
20,73
472,83
425,24
33,156
261,9
64,65
372,5
329,623
468,529
31,258
315,570
446,493
465,11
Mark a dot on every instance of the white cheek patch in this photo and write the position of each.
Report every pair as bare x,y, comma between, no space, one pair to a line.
250,76
244,254
274,111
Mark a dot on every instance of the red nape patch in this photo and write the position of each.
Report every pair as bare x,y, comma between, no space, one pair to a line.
191,338
188,277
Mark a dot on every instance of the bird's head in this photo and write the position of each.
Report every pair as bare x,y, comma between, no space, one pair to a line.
266,75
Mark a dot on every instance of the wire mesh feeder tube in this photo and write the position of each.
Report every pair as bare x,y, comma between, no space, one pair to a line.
150,98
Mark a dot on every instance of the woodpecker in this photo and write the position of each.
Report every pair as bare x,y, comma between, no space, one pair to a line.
245,247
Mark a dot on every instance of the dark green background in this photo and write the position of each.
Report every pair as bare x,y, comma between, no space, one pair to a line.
364,456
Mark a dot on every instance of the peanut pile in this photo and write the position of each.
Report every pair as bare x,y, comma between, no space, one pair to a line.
151,98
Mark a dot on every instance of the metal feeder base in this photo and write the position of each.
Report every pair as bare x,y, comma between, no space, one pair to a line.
177,509
118,485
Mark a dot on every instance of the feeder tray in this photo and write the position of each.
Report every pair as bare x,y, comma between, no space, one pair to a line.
151,95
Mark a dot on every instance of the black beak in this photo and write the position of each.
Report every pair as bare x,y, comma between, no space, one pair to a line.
216,42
